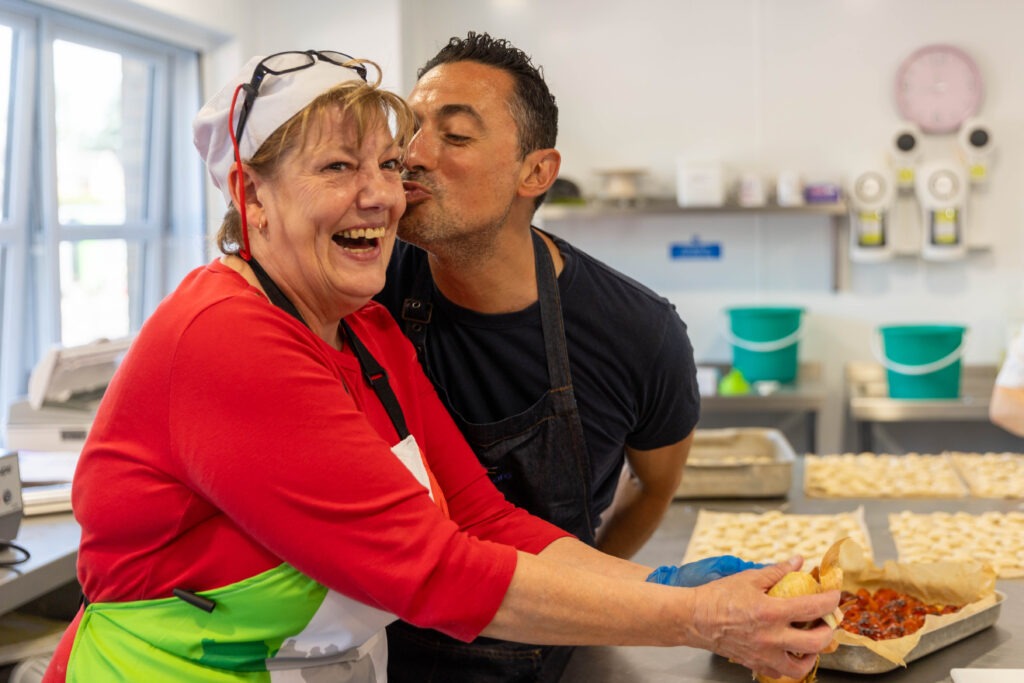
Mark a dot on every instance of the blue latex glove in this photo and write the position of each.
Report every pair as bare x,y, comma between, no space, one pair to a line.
700,572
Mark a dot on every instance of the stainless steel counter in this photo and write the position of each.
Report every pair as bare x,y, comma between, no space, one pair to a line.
53,542
868,393
1001,646
798,404
877,419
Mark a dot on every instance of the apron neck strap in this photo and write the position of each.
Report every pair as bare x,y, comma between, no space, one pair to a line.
274,293
377,378
374,374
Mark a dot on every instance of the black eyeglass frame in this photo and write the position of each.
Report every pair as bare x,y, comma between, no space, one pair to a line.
260,72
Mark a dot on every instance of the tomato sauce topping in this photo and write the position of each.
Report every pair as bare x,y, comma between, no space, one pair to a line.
886,613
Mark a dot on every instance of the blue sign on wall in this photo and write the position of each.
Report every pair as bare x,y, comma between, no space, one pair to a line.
695,249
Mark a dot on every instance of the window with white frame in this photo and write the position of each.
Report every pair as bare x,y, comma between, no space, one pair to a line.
100,189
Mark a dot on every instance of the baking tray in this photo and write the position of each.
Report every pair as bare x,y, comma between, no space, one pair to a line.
773,536
738,463
861,660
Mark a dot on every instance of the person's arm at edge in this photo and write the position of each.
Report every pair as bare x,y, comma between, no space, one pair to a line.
641,500
1006,408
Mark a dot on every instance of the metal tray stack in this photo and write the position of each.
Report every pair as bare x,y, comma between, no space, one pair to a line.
738,463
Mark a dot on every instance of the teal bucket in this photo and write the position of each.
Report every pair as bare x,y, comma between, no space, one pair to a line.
922,361
765,341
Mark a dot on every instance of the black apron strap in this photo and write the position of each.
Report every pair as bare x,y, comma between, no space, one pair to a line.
375,375
560,373
377,378
274,292
417,311
551,321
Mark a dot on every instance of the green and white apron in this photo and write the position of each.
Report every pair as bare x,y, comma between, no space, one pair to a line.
279,626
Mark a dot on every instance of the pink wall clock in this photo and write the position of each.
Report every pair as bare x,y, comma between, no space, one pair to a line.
938,87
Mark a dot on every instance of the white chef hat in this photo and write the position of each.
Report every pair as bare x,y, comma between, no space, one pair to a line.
279,98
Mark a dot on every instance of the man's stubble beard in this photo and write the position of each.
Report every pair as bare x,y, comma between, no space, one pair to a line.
449,238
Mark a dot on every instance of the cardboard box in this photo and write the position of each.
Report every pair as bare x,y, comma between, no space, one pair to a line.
700,183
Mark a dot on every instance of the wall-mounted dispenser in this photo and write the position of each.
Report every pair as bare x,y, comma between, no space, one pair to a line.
905,215
870,195
942,192
904,153
976,149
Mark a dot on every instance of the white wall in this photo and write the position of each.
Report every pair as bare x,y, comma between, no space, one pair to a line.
361,29
761,85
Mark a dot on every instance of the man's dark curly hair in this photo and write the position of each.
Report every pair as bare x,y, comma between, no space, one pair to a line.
533,106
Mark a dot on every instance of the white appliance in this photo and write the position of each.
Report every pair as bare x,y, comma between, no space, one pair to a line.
976,149
904,154
942,189
64,391
10,496
49,428
905,214
870,195
978,152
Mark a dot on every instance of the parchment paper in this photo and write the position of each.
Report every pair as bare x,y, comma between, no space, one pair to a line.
971,584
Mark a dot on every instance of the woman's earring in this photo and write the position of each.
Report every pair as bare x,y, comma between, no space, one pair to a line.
263,225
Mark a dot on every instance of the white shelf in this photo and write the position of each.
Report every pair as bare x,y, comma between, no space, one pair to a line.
662,206
835,213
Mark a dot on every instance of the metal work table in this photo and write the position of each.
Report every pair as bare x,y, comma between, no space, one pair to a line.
800,402
53,542
1001,646
869,404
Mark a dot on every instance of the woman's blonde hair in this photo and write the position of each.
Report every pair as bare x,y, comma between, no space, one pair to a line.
367,103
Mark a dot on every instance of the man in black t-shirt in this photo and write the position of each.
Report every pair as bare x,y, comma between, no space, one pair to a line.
558,369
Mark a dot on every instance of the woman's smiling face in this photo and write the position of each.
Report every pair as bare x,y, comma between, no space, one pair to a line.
329,216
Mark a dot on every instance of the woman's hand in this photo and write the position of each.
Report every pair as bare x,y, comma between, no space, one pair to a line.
735,618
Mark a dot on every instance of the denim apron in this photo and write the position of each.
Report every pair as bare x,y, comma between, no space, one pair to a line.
538,460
